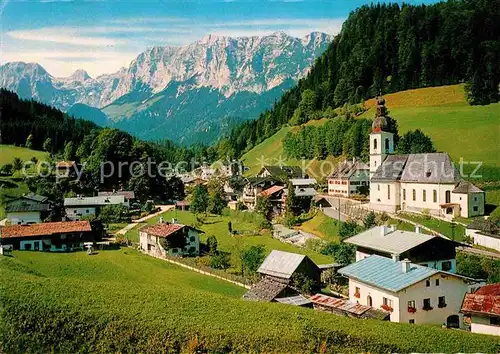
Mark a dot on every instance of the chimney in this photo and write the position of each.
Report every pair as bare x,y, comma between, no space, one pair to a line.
417,229
384,230
395,257
405,265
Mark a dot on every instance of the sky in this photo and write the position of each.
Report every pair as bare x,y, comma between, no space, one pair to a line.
101,36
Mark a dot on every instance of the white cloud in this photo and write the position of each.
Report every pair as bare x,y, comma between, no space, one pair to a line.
136,20
63,35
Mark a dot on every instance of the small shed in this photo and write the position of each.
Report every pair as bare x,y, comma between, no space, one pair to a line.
284,265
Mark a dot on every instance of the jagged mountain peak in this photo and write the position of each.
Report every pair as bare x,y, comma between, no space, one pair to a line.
80,75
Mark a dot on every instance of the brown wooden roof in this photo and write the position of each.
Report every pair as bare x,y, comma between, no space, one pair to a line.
44,229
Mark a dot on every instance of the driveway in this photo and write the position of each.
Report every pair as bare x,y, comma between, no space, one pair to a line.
163,208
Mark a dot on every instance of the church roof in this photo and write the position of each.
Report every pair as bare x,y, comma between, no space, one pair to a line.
391,169
348,168
430,168
465,187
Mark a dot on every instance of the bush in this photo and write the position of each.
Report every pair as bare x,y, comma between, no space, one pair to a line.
220,260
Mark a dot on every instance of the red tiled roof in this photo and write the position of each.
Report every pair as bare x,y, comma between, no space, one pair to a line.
271,191
44,229
162,230
65,164
485,301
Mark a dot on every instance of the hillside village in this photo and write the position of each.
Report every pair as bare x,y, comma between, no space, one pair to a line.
392,275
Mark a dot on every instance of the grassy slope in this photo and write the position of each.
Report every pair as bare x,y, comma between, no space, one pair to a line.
122,301
323,226
9,152
217,226
270,152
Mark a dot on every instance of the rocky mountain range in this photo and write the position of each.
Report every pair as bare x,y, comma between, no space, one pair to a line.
189,94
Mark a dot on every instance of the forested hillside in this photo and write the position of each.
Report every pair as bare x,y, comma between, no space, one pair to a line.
389,48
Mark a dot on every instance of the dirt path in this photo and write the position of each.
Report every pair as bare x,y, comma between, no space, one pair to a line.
163,208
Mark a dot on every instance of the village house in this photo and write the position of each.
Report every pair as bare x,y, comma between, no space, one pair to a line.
50,236
28,209
426,250
86,206
482,310
65,168
484,232
129,195
281,173
278,272
350,177
417,183
252,189
170,239
276,196
411,293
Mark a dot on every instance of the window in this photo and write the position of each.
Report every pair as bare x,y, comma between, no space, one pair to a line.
192,238
475,199
411,321
174,250
378,187
475,208
414,194
411,303
437,282
375,163
27,246
404,194
87,211
446,266
427,283
434,196
495,321
374,144
387,302
448,197
386,145
150,247
74,211
357,293
427,305
441,302
389,192
424,195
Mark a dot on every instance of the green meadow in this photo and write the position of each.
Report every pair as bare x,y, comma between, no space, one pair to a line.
243,223
126,302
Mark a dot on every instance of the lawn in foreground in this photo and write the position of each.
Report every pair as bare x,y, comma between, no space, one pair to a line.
218,227
123,301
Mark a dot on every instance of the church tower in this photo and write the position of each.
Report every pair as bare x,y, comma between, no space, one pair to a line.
381,140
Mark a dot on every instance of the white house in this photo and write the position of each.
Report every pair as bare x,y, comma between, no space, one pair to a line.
349,178
28,209
410,292
50,236
426,250
417,182
85,206
482,309
181,240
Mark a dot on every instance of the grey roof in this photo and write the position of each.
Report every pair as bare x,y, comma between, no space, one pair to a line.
303,181
430,168
391,169
94,201
126,194
386,274
265,290
22,206
303,192
465,187
35,197
348,168
297,300
281,264
392,242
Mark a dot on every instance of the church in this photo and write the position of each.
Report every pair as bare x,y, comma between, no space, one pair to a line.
417,183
